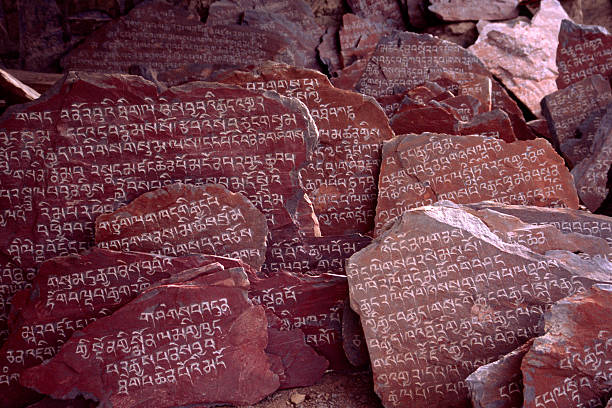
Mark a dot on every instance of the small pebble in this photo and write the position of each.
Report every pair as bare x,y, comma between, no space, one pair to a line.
297,398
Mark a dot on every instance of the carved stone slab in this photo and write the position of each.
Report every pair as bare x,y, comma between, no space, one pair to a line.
421,169
465,10
69,293
583,51
99,141
162,36
521,53
571,364
181,219
358,38
440,294
196,341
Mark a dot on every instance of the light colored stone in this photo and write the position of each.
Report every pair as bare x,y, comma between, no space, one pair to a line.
464,10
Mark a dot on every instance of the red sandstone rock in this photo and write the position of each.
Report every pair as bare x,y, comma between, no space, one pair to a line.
358,38
386,12
14,90
421,169
353,341
570,365
97,142
329,51
461,10
162,36
197,341
440,293
181,219
540,128
349,76
577,148
583,51
428,118
464,107
492,124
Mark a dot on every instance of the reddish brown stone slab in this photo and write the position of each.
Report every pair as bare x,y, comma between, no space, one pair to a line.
591,175
53,403
390,103
358,38
540,128
386,12
195,341
433,117
341,178
463,10
163,37
583,51
14,90
69,293
481,88
571,364
567,108
181,219
577,148
440,294
99,141
499,384
353,341
421,169
404,60
312,304
492,124
329,51
349,76
464,107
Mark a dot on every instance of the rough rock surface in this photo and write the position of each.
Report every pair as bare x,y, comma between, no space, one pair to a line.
197,340
440,294
358,38
15,91
181,219
96,142
421,169
463,10
353,341
162,36
521,53
571,364
386,12
583,51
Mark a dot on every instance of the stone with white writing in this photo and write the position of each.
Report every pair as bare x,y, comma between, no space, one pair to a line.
440,294
421,169
358,38
96,142
570,365
385,12
181,219
521,53
495,123
583,51
162,36
577,148
196,341
464,10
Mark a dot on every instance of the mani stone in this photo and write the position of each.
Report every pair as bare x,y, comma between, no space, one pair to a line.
571,364
521,53
441,294
196,340
567,108
181,219
96,142
353,341
341,178
404,60
358,38
162,36
385,12
499,384
464,10
421,169
67,294
583,51
592,174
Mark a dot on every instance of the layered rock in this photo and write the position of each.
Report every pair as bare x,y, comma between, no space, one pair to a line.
462,10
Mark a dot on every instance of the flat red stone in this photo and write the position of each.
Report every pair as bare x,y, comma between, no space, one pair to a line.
358,38
495,124
385,12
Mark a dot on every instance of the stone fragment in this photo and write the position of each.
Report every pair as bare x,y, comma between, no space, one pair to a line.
181,219
349,76
464,10
200,341
591,175
353,342
385,12
583,51
163,37
499,384
329,51
432,117
577,148
463,34
416,11
567,108
404,60
297,398
67,294
358,38
491,124
464,107
540,128
421,169
439,291
570,365
341,178
521,53
56,183
313,304
15,91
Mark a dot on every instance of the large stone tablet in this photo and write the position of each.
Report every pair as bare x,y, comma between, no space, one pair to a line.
464,10
583,51
440,294
570,366
196,341
69,293
404,60
341,179
521,53
181,219
162,36
99,141
422,169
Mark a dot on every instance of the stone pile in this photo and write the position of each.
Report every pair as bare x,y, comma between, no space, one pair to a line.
222,199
